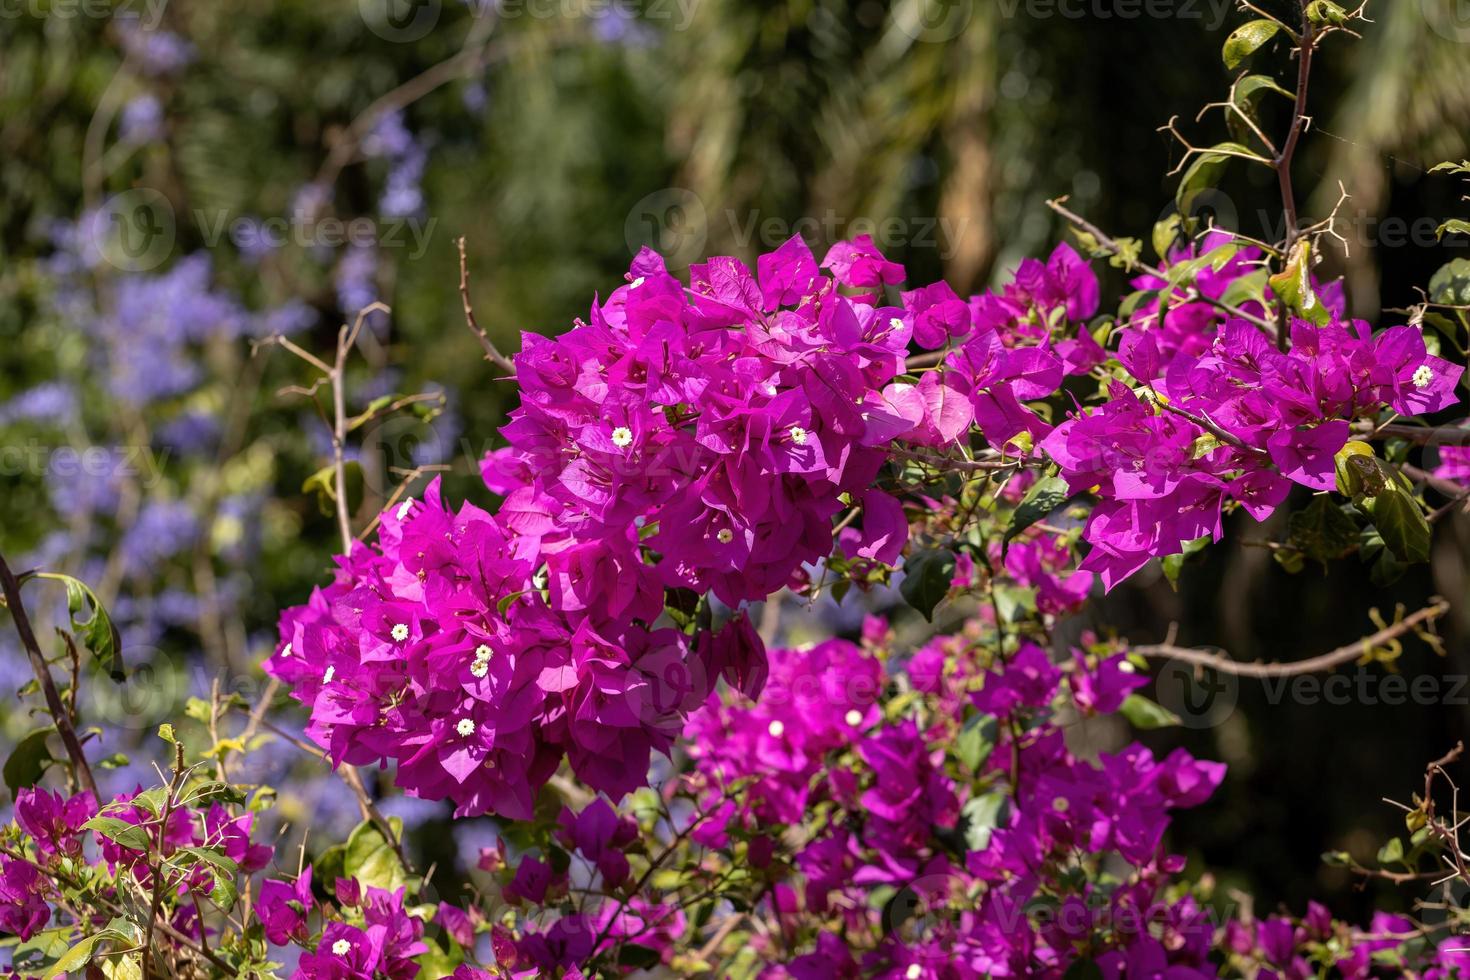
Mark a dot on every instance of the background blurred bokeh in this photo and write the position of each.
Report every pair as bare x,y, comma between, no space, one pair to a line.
182,179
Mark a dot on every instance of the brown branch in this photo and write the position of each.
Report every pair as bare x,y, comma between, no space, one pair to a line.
156,869
950,463
336,376
1440,435
1205,423
1326,661
1110,245
1283,160
491,353
929,359
59,713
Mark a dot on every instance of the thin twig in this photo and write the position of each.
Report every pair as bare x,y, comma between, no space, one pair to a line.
1283,160
1440,435
1327,661
156,869
1211,427
59,713
1110,245
491,353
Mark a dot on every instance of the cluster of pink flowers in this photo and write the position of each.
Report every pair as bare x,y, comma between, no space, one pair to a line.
382,941
1005,349
710,429
1238,422
902,807
436,648
1180,320
697,438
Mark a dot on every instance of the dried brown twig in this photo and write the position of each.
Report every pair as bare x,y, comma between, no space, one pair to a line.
1168,650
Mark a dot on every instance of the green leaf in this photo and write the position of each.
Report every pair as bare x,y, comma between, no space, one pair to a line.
1455,226
1044,497
1166,233
1322,531
1204,173
981,815
1358,470
151,800
1173,565
927,578
96,630
28,761
1146,714
371,859
1401,523
976,741
129,835
324,484
1450,286
1391,852
76,958
504,603
215,791
1293,285
222,869
1251,86
1246,39
1450,166
1249,288
1326,12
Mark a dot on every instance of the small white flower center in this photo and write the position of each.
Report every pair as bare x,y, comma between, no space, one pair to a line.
286,650
914,972
483,652
465,727
798,435
1423,376
400,632
622,436
328,675
726,535
854,718
1126,666
480,668
1061,804
404,508
776,728
636,283
895,324
341,947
